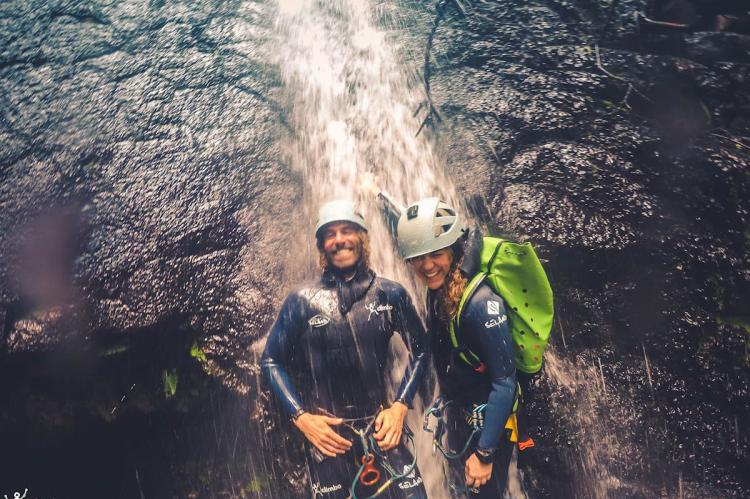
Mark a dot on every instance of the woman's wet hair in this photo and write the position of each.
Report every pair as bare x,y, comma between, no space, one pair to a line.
454,285
364,256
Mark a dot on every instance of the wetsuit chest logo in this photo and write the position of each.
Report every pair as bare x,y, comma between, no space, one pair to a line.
374,308
319,490
495,322
493,308
319,321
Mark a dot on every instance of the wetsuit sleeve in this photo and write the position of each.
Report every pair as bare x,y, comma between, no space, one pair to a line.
284,334
485,326
409,325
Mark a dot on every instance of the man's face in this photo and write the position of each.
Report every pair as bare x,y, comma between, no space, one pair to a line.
341,244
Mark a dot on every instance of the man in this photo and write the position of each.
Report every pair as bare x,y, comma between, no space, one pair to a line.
326,360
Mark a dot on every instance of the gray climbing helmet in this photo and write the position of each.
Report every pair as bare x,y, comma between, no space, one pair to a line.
338,211
426,226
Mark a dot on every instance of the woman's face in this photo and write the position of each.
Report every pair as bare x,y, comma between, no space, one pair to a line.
433,268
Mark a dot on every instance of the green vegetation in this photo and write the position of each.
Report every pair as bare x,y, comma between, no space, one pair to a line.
256,485
742,321
169,377
197,353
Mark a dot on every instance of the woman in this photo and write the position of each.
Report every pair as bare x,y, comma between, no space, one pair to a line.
432,239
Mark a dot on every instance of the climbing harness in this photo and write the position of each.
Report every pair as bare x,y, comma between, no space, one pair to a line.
368,474
475,419
438,411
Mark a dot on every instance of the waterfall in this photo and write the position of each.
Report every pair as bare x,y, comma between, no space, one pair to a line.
352,106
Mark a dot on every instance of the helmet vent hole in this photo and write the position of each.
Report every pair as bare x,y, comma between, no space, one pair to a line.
440,229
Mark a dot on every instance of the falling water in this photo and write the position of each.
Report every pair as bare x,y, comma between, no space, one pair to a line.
352,104
352,109
581,403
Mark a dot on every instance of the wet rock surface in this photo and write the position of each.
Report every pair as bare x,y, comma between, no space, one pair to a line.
139,182
137,161
153,131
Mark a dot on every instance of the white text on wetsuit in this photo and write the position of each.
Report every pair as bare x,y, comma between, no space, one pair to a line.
318,490
412,480
374,308
495,322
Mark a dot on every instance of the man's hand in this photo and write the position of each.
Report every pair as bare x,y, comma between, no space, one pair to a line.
389,425
317,429
477,474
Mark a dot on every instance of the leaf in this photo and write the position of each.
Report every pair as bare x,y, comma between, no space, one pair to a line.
169,378
197,353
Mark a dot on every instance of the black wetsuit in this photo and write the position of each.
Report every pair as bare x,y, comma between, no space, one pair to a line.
328,351
483,329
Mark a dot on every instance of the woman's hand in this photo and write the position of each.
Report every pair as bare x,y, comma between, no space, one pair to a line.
389,424
477,473
317,429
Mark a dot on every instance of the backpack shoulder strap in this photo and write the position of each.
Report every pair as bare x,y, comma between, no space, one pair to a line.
468,293
475,362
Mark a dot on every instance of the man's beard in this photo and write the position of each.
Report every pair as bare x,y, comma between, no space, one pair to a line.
345,270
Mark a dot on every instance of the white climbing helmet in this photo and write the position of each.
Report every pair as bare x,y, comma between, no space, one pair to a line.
426,226
339,211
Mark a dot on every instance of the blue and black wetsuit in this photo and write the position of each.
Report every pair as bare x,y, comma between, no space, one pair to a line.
483,329
328,352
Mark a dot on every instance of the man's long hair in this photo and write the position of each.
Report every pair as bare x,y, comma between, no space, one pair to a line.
362,265
454,285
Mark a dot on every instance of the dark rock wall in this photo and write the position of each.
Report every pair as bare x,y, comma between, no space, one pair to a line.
138,159
147,143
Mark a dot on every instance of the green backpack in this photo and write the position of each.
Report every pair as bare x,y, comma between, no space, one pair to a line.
514,272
